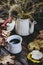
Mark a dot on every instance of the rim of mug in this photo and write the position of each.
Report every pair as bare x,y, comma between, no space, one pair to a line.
14,37
24,19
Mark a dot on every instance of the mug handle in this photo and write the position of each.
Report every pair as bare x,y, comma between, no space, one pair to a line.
8,46
34,22
29,26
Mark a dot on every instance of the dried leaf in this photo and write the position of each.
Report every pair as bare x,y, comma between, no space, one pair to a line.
7,58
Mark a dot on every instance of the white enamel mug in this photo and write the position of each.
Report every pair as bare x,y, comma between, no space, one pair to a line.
24,27
14,48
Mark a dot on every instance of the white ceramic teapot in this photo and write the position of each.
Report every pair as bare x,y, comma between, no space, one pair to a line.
24,27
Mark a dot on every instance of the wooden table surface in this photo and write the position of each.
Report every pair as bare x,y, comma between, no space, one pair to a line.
21,58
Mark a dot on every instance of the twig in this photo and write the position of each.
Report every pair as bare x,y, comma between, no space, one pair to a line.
3,2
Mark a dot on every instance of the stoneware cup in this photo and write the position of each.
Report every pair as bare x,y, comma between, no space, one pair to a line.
13,47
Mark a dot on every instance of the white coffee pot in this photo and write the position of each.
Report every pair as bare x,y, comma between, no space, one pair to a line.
24,27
